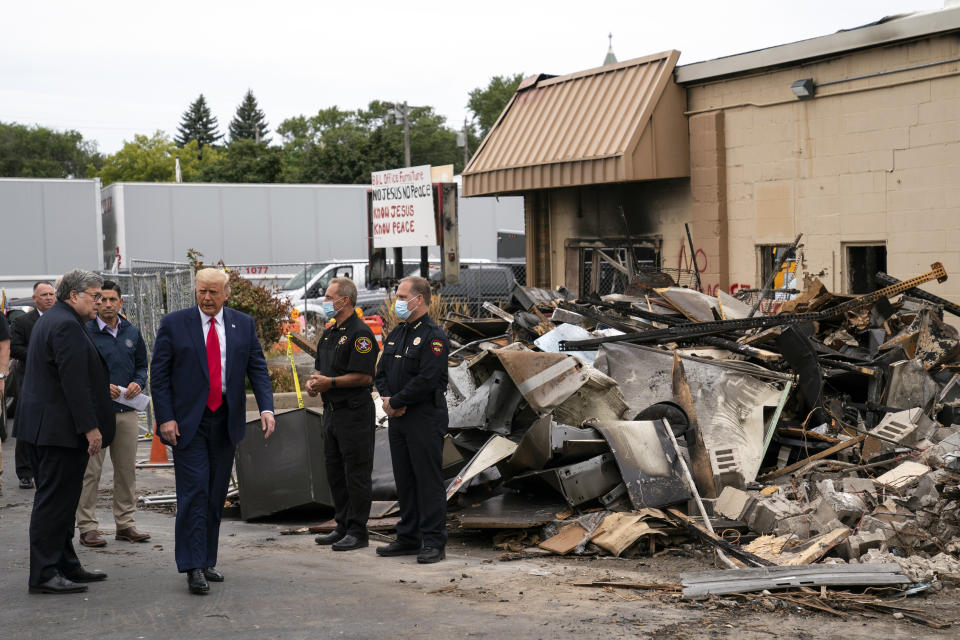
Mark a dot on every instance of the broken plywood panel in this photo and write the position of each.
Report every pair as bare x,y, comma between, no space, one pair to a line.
619,531
788,550
566,540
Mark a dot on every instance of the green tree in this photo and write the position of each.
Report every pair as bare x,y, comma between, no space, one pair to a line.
249,122
197,123
345,147
487,103
153,159
245,160
39,152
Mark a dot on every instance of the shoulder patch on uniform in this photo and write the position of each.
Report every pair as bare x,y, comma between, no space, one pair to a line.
436,346
363,344
342,340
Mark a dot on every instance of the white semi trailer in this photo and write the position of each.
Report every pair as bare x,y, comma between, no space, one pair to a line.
268,228
47,227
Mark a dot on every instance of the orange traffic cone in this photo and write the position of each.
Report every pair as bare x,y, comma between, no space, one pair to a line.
158,454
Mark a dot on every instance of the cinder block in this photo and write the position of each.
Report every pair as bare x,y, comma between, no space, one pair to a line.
768,511
725,464
859,543
799,526
733,503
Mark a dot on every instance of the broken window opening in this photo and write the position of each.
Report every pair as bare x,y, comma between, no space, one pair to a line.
785,282
610,279
863,261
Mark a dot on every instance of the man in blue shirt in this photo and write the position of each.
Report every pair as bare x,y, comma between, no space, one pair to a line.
125,353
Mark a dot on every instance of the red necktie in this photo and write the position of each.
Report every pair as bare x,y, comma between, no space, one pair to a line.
215,396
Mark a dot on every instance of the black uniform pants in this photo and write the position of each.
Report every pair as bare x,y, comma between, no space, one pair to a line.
59,482
348,439
416,449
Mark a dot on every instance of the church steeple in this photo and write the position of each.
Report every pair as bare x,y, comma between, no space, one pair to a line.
610,58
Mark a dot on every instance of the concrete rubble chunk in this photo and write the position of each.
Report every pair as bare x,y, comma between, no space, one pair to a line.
903,475
768,511
845,507
919,569
859,486
733,503
859,543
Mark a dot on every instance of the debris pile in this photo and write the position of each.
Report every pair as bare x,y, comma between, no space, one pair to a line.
828,430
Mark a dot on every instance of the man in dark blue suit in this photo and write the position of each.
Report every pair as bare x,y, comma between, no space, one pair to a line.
200,358
66,412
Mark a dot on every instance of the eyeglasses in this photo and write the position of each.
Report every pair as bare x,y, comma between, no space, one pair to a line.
96,296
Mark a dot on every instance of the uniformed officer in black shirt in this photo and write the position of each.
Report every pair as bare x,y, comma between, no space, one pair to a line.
346,361
412,381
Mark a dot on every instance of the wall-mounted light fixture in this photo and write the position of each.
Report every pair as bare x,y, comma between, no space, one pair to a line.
803,89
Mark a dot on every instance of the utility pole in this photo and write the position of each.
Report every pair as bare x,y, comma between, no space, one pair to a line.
405,111
466,139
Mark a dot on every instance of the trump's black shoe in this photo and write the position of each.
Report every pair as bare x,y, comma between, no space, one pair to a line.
196,581
329,538
212,575
429,555
58,584
82,575
397,549
26,483
350,542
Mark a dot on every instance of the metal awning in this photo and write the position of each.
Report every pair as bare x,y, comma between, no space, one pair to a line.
618,123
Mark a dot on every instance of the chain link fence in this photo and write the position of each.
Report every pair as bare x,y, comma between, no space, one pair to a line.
149,294
612,280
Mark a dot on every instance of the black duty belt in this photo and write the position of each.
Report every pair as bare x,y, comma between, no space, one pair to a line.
336,405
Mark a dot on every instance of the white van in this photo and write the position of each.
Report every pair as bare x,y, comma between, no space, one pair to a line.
305,290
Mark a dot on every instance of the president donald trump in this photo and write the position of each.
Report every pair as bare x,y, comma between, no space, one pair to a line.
200,358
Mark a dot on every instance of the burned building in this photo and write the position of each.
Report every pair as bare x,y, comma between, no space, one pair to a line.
851,139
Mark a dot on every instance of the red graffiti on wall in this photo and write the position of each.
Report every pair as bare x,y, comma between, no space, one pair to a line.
684,262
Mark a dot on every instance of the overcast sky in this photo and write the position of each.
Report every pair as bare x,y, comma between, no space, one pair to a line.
115,69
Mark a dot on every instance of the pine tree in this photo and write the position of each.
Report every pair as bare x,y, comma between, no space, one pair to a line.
198,124
249,122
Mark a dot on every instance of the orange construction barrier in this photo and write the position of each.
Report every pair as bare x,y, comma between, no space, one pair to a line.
376,326
158,454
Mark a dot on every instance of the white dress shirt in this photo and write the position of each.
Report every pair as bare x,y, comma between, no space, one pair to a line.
222,336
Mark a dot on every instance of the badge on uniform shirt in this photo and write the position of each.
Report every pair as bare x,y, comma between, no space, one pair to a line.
129,343
342,340
363,344
416,341
436,346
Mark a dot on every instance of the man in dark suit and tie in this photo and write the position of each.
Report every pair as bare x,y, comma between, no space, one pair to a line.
200,358
44,297
65,411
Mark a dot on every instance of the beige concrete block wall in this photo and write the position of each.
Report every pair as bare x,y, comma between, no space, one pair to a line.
873,160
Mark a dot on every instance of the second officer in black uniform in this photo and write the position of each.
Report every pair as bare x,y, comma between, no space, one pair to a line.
412,381
346,362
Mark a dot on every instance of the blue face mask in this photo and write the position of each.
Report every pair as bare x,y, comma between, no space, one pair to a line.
329,308
403,312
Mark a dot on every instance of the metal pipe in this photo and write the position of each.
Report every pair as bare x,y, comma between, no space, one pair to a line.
693,258
696,496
